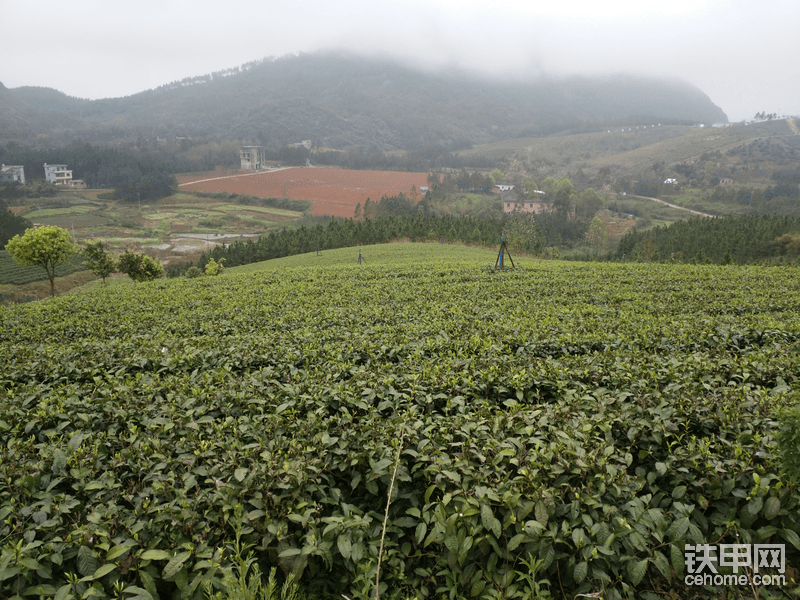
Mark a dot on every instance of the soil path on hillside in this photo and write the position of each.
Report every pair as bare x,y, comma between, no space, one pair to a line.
694,212
190,182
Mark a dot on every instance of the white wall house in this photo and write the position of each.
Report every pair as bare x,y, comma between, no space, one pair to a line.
252,157
12,174
57,174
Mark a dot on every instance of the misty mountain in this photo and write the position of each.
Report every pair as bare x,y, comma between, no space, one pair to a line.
340,101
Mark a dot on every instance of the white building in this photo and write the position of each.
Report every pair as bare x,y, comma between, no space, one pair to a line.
252,157
57,174
12,174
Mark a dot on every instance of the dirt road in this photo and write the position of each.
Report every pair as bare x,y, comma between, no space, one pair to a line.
694,212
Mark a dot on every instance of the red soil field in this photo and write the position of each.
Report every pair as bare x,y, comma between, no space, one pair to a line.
332,191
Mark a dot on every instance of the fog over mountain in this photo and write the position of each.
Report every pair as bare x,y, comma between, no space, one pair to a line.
341,100
743,54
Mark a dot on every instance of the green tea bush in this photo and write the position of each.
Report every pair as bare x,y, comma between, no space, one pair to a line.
214,268
789,442
241,579
454,423
14,274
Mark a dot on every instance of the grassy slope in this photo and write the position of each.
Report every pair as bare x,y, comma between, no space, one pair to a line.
380,255
629,151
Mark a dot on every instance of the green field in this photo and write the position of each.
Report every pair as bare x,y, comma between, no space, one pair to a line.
124,225
77,209
595,418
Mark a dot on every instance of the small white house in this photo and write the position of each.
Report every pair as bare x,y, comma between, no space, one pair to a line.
12,174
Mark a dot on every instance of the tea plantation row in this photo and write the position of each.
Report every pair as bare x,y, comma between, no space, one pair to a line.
12,273
597,418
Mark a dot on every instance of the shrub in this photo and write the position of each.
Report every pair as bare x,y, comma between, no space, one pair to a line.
98,259
215,268
789,442
140,267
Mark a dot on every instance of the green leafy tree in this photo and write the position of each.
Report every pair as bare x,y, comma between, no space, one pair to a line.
588,204
98,259
395,206
497,175
529,188
597,236
140,267
524,234
151,187
47,246
790,243
10,224
215,268
549,186
370,210
649,249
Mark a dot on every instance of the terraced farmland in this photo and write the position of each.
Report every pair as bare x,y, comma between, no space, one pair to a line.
595,418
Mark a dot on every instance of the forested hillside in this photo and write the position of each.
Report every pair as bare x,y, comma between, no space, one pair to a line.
104,166
743,240
341,101
723,240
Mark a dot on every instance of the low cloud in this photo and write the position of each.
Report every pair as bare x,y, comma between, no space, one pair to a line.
742,54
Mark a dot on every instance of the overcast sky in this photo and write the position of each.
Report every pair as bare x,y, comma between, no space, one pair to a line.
744,54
